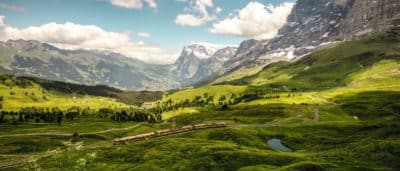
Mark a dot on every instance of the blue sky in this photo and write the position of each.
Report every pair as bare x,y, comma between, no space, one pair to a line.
153,26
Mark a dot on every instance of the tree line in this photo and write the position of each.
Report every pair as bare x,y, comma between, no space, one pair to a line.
56,115
219,103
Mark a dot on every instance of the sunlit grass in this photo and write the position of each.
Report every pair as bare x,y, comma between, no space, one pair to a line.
34,96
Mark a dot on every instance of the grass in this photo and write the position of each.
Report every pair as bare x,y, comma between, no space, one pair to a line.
181,112
354,85
34,96
328,146
238,74
216,91
332,67
80,125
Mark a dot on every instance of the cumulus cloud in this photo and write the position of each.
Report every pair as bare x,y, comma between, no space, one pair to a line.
151,3
190,20
197,13
11,7
143,34
133,3
90,37
2,21
256,20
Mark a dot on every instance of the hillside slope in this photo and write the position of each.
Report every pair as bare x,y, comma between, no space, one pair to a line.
332,67
336,109
36,59
19,92
366,67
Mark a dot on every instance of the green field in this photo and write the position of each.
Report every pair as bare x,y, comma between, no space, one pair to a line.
337,109
34,96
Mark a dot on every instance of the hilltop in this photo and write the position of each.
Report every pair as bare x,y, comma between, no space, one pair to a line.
18,92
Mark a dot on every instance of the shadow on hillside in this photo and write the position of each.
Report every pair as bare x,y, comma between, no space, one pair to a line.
371,105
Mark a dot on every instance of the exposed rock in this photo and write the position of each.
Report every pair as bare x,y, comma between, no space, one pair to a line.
368,17
198,62
317,23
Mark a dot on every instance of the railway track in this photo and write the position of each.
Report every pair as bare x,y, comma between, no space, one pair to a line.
21,162
70,134
168,132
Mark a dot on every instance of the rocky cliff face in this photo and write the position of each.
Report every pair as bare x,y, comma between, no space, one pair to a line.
198,62
33,58
368,17
317,23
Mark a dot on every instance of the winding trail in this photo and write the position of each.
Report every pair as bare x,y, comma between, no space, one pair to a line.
320,99
22,162
70,134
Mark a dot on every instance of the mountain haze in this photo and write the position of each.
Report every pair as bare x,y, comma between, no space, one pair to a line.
33,58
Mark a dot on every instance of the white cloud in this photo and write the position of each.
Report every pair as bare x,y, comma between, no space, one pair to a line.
151,3
218,10
197,13
143,34
2,21
133,3
256,20
74,36
190,20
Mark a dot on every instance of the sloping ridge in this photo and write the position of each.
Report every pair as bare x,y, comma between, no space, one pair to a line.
316,23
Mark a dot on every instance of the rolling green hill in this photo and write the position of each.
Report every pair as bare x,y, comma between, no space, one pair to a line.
19,92
335,66
369,64
337,109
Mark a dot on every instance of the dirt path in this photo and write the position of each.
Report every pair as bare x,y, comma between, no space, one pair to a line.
69,134
22,162
319,99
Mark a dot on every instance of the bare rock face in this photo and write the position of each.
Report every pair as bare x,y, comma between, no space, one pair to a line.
248,51
309,25
198,62
368,17
313,24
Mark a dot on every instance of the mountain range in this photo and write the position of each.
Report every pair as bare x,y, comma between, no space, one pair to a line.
311,25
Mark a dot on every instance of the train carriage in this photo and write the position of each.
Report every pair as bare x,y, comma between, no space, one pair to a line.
167,132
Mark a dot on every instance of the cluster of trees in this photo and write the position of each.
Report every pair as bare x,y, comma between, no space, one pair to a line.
56,115
14,81
221,103
1,102
129,114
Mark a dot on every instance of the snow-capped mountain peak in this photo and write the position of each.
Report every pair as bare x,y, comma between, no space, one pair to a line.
201,50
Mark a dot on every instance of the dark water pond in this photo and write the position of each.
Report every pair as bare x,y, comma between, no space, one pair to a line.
277,145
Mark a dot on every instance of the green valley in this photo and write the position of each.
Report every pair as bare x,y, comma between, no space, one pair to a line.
337,109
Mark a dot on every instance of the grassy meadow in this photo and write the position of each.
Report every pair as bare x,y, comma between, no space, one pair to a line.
337,109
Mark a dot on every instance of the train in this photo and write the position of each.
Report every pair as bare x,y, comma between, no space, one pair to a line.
166,132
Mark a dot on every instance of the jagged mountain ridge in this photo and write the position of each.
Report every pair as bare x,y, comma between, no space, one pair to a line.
198,62
316,23
42,60
311,25
33,58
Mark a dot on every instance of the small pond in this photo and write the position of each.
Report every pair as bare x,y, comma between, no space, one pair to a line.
276,144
